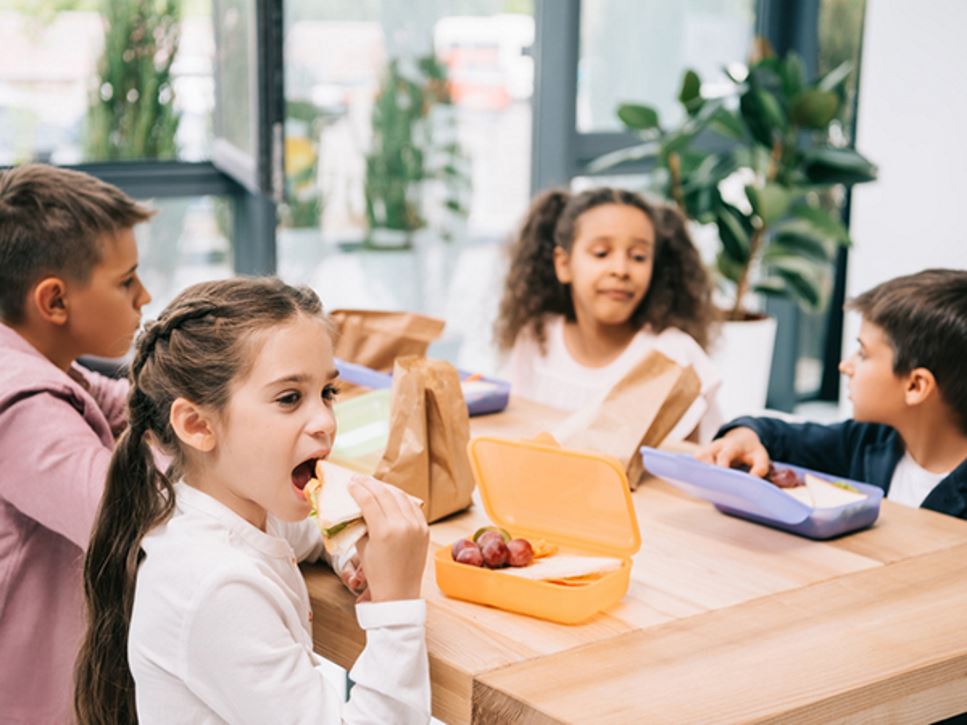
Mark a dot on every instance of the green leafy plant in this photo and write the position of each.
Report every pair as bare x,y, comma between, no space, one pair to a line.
411,145
303,197
132,114
780,238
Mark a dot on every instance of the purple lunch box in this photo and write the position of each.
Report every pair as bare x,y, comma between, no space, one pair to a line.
737,493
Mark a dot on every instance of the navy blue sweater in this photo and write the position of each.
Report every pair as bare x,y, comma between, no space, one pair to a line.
867,452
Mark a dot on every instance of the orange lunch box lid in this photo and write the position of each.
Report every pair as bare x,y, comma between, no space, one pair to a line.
573,498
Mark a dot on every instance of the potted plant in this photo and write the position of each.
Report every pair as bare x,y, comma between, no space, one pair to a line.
779,233
132,113
132,116
413,142
302,208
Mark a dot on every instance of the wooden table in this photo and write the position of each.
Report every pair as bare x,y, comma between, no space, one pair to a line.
724,621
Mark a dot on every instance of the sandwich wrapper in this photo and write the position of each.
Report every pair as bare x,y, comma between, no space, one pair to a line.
640,410
413,436
740,494
576,500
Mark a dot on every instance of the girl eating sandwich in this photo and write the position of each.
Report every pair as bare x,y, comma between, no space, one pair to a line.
197,609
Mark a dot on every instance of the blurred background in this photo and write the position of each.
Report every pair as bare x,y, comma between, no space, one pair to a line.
384,152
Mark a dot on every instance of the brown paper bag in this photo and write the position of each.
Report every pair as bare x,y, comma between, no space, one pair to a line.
375,339
640,410
426,453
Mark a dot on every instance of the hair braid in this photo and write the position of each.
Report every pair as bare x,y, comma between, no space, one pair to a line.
197,347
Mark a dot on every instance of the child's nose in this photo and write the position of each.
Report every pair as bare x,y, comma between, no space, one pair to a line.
144,297
845,367
323,422
620,266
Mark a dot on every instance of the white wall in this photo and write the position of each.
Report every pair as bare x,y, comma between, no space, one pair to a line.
912,122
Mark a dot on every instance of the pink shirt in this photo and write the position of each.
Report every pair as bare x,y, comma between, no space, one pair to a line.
56,437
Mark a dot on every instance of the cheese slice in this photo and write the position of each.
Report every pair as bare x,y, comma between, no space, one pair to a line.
564,566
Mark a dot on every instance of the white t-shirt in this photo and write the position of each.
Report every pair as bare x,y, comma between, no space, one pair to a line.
912,483
555,378
220,630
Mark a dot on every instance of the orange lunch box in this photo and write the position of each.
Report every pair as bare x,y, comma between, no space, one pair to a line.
537,490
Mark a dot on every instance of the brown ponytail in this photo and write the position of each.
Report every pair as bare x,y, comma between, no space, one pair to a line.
196,348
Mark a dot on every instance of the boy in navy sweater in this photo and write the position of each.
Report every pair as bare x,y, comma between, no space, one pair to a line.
908,384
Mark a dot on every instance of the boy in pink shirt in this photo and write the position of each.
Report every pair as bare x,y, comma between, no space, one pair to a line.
68,287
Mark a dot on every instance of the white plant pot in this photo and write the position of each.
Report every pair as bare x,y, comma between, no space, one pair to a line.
381,238
742,354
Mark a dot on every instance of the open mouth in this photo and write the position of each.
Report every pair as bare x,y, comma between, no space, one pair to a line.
303,472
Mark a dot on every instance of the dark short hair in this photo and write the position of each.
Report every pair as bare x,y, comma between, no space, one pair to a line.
51,223
924,318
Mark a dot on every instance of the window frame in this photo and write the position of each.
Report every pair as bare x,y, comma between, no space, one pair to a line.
254,209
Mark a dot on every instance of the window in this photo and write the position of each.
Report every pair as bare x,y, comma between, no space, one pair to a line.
73,82
637,50
408,132
840,33
187,241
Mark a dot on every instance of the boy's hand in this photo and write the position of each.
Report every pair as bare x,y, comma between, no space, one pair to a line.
393,553
739,445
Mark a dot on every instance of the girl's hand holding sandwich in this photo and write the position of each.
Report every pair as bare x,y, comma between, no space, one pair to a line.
393,554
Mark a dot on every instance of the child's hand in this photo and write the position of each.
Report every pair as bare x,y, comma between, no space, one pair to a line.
739,445
352,575
393,554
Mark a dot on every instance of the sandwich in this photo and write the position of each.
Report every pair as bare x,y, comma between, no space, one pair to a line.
334,510
813,490
831,494
562,567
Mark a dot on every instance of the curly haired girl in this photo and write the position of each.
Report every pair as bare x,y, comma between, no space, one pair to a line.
597,280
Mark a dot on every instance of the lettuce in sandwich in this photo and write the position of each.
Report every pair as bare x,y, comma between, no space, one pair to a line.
334,510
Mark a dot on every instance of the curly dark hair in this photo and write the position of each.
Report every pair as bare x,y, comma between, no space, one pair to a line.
680,294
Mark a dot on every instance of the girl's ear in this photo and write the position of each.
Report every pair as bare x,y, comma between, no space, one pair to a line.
920,383
562,266
192,425
49,297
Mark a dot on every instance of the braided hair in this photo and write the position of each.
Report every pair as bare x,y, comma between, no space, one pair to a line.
200,344
679,294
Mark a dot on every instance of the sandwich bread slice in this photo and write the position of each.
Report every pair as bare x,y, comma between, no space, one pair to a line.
829,495
334,510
